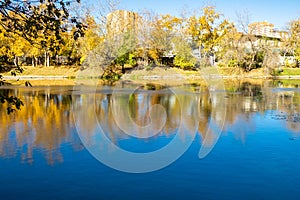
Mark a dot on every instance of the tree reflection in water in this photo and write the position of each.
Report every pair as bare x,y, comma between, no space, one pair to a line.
46,121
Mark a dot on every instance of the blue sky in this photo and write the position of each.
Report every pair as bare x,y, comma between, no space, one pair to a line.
274,11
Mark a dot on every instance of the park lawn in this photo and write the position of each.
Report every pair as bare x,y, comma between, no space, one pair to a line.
74,71
290,72
69,71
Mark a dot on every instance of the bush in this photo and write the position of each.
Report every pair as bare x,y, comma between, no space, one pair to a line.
232,63
150,66
184,63
290,64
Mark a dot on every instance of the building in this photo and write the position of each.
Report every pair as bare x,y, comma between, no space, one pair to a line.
121,21
266,29
261,28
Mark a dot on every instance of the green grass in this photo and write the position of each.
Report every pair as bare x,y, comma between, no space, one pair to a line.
290,72
288,82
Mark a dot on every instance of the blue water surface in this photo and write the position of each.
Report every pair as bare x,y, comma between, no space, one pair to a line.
256,157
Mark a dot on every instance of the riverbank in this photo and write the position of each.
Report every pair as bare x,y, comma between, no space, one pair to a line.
59,71
176,74
68,75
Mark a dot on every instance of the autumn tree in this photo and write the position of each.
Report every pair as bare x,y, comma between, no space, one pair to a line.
92,37
109,50
183,51
242,48
293,41
207,30
12,46
42,21
31,18
164,29
250,51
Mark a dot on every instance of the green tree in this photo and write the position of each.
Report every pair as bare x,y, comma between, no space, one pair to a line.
183,53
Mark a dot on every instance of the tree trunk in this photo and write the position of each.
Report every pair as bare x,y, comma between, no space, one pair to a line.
45,63
56,60
284,55
48,60
33,61
16,61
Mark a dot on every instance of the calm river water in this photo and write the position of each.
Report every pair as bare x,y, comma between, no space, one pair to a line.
242,143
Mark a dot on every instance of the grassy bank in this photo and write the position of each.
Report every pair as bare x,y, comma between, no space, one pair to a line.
157,74
67,71
168,73
290,72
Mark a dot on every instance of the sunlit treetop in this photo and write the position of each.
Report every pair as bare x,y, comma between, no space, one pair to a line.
32,19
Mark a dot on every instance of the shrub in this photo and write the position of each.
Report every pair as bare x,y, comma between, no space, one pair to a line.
232,63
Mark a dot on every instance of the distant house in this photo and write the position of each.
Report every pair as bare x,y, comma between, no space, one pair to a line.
266,29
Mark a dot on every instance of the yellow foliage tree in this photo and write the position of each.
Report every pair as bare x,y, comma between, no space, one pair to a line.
92,38
207,30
